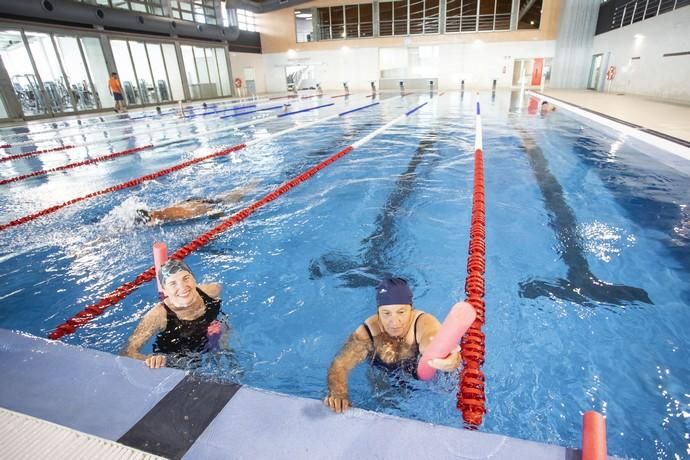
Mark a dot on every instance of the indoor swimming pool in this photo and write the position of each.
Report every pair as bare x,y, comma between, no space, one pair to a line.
587,236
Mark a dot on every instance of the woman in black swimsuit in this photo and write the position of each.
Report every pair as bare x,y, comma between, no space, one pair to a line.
186,321
394,338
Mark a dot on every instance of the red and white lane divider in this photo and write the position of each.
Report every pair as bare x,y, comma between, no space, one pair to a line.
94,310
90,161
471,397
36,152
155,175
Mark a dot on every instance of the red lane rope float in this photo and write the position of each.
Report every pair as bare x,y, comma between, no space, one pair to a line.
76,165
471,396
5,146
36,152
122,186
92,311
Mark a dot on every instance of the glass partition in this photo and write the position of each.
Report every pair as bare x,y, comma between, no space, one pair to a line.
16,59
173,69
125,70
159,73
224,72
56,86
147,91
95,62
212,65
70,55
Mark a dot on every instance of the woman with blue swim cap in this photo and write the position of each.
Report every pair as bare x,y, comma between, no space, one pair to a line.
186,321
394,338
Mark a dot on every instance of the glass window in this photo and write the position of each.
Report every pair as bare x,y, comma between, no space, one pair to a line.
125,71
486,14
3,111
366,20
212,65
70,55
431,16
531,18
468,16
400,17
385,19
201,69
337,23
246,20
352,21
324,24
57,88
189,65
416,17
224,72
503,9
147,90
160,78
95,63
171,65
15,57
304,25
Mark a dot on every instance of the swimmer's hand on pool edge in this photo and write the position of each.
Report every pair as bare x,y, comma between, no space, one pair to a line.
155,361
337,403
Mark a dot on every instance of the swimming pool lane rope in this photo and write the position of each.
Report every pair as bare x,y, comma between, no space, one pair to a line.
94,310
471,397
77,164
36,152
163,172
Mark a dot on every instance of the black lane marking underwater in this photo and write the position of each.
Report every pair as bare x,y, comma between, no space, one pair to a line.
581,285
648,193
177,421
375,262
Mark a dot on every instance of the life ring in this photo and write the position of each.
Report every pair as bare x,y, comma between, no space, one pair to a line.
611,73
238,83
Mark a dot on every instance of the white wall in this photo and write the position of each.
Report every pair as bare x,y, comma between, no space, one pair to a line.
241,61
477,63
652,74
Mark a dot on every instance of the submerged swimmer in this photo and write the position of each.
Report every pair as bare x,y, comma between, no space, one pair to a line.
186,321
394,338
192,208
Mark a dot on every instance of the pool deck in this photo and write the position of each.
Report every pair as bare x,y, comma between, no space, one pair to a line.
79,403
657,116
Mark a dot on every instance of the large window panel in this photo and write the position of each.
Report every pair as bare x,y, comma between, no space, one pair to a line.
453,13
201,68
431,16
385,19
400,17
70,55
503,9
160,78
125,71
324,23
213,76
416,17
337,22
352,21
366,20
531,17
16,59
224,72
468,16
487,8
174,76
147,90
56,86
95,62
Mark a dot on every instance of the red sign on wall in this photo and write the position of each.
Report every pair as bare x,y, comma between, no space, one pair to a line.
536,73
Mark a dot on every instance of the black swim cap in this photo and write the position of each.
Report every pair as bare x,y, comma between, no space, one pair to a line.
142,216
393,291
171,267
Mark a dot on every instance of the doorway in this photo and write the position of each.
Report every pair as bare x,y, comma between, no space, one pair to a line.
595,72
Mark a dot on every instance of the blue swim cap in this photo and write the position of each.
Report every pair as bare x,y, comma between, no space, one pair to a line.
171,267
393,291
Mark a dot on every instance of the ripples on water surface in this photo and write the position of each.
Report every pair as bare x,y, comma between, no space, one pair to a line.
568,205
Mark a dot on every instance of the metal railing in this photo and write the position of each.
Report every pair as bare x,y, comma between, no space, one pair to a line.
639,10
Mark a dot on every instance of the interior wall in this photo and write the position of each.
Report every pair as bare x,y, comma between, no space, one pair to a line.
478,64
241,61
637,53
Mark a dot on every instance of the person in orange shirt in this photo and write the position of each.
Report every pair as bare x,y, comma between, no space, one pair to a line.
116,90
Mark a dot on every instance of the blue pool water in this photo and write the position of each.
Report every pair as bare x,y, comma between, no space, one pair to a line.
588,244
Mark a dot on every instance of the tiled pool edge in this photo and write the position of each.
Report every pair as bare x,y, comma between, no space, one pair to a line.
75,387
672,144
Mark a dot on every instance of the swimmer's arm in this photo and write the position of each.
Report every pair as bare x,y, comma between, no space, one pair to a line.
355,350
212,289
427,328
153,322
237,194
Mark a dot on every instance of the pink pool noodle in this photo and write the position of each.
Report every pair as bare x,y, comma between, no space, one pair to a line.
458,320
160,256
